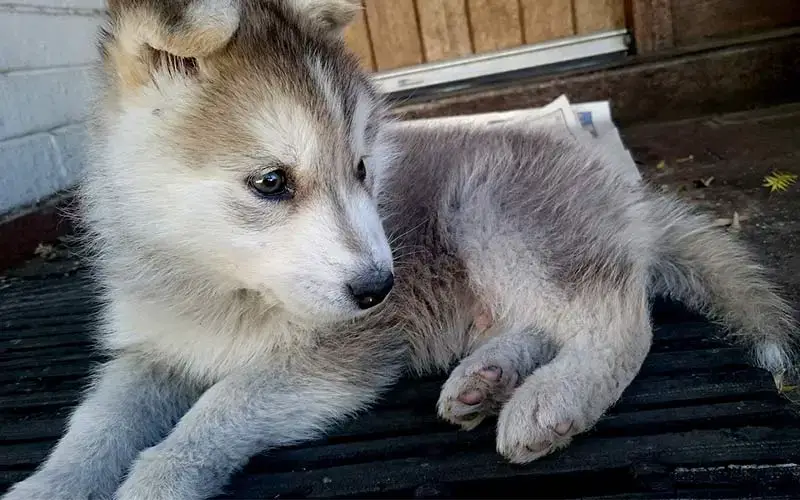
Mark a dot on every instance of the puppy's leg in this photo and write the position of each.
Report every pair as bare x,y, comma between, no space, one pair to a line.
485,379
131,406
241,416
608,343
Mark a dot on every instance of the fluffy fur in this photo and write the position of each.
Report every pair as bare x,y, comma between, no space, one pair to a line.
521,255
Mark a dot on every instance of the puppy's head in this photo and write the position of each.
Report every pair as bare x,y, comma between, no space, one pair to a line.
239,139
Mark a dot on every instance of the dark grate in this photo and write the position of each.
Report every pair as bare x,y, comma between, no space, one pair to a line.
698,422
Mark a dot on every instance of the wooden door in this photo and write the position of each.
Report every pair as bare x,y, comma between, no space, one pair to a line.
392,34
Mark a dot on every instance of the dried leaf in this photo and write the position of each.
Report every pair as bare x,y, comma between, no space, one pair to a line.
735,225
704,183
736,219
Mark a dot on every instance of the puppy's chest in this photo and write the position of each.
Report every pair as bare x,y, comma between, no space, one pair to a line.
205,351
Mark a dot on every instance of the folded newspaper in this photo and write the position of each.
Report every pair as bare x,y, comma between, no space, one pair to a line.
590,121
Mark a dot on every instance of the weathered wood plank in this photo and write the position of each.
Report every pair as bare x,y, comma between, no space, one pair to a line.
652,25
696,20
394,33
496,24
642,393
720,78
444,27
394,422
707,447
12,346
75,360
35,321
545,20
357,38
592,16
77,328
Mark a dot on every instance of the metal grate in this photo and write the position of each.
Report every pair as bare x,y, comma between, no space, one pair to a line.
698,422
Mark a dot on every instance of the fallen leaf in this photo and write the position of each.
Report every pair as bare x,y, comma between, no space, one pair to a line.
704,183
779,181
735,225
730,221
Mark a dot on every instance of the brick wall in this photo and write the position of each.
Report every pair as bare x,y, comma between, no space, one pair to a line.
47,48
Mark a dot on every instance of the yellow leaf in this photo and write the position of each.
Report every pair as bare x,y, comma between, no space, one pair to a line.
779,181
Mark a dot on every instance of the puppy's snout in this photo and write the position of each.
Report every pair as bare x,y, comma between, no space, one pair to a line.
370,290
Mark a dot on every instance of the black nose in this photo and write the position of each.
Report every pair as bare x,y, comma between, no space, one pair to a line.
370,291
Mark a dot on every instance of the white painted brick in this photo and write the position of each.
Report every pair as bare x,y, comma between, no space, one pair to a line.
74,4
31,171
70,143
42,99
29,40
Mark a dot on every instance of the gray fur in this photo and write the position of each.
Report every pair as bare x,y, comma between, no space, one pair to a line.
522,255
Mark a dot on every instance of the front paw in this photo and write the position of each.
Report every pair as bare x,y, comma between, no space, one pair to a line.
476,389
540,418
159,475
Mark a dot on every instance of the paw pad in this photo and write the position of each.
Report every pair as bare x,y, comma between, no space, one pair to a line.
491,373
471,397
477,388
538,447
563,428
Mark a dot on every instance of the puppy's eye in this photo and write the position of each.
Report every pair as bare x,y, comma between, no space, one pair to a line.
272,184
361,171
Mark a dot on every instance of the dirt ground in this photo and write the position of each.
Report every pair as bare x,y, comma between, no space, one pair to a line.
719,163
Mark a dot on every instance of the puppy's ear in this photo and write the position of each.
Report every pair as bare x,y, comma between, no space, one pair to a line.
329,15
143,37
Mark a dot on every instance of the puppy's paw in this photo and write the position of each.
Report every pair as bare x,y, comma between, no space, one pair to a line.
539,419
163,475
476,389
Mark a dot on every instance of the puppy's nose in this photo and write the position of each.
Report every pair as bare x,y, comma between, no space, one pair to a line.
370,291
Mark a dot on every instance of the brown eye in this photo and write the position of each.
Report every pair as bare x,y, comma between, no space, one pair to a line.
361,171
272,184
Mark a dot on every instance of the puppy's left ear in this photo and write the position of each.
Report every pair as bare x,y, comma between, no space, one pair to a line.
332,16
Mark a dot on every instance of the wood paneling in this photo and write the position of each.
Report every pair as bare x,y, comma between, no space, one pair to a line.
357,37
544,20
695,20
759,73
496,24
592,16
652,25
395,33
445,29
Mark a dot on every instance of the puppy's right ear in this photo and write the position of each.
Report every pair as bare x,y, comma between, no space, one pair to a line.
332,16
143,37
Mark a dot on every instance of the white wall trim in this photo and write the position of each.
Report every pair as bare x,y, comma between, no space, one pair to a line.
528,56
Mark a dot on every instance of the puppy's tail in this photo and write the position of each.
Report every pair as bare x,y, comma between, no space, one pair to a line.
711,272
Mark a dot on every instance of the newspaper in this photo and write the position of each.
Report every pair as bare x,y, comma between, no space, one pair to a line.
590,122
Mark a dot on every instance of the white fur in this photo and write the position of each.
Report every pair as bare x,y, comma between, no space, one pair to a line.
220,15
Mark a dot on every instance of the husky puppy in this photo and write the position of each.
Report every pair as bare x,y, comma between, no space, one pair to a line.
244,179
